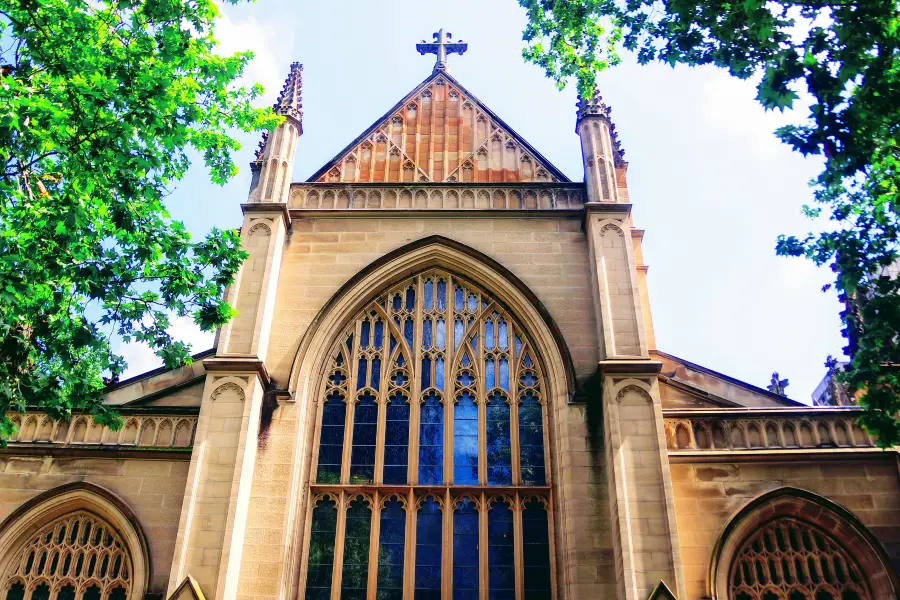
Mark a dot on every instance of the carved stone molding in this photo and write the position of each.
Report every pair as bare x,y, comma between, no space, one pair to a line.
142,431
436,197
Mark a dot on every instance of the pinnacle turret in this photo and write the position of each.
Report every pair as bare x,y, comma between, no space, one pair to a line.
596,107
290,101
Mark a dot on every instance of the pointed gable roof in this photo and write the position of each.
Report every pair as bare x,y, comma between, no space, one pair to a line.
439,132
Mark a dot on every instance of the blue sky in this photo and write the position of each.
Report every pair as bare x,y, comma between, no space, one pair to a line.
709,182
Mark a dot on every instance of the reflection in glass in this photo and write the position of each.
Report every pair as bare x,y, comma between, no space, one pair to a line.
321,550
431,440
390,551
465,551
331,444
356,550
365,429
536,551
501,553
396,440
465,440
428,551
531,440
499,458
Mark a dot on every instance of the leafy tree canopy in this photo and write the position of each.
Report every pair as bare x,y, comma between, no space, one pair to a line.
101,102
844,55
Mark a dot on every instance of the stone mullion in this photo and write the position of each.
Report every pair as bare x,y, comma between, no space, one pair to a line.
518,551
481,399
375,531
515,464
350,400
449,380
415,393
338,567
383,393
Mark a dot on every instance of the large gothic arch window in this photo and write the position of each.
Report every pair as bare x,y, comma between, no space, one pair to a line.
431,474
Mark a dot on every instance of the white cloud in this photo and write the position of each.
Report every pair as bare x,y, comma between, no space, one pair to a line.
267,41
731,107
140,357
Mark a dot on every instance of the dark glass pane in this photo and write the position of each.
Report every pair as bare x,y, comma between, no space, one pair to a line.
396,441
331,443
408,331
431,440
502,335
457,298
410,298
375,377
429,295
92,593
501,553
365,430
378,336
465,551
440,334
354,580
364,334
426,333
361,373
465,440
439,373
489,334
531,440
390,551
442,294
499,459
426,373
118,593
458,331
504,374
16,592
428,551
536,551
321,550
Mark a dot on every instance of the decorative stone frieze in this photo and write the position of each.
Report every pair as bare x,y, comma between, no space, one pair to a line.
305,196
147,431
764,431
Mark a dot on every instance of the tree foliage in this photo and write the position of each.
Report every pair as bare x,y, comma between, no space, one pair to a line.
841,55
101,104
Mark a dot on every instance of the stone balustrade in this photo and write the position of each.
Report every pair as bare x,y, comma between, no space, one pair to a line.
756,430
525,196
143,431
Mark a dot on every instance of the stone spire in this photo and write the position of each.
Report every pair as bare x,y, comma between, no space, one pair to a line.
274,161
290,101
596,107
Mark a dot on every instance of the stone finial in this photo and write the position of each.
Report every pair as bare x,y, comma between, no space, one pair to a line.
596,107
778,385
592,107
290,101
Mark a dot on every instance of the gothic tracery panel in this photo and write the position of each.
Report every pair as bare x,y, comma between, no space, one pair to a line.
76,556
432,428
789,559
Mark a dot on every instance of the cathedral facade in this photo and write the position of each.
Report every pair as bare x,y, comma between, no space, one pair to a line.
443,383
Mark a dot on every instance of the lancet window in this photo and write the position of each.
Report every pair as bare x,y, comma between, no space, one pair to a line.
431,476
74,557
789,559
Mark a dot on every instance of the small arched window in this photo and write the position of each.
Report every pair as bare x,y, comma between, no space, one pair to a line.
76,556
789,559
432,427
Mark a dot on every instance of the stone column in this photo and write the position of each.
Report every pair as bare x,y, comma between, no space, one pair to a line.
641,499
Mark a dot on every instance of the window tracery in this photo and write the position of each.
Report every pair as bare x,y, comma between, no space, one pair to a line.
432,429
75,557
789,559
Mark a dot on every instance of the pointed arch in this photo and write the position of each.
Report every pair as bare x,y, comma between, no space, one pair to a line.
93,503
417,256
809,509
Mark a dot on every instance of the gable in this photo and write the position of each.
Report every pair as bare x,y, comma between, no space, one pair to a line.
687,385
439,132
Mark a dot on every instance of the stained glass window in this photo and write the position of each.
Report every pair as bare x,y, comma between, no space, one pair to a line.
431,421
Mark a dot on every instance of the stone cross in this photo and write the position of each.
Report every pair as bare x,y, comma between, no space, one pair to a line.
442,46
